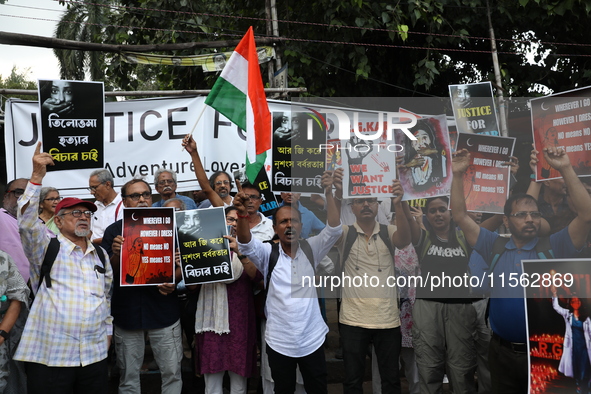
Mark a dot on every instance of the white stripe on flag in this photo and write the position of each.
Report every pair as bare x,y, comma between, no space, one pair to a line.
236,72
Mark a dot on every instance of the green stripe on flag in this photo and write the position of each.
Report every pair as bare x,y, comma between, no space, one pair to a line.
253,169
229,101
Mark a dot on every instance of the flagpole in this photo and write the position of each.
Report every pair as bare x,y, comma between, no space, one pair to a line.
196,122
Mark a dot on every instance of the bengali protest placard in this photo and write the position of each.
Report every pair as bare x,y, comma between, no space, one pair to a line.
205,253
563,120
558,327
424,164
72,118
297,157
486,181
147,255
474,108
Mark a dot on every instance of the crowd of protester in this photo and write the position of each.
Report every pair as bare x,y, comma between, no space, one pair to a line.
58,325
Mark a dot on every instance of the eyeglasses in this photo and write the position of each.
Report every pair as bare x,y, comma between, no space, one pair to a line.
361,201
17,192
524,214
230,219
53,199
253,197
136,196
77,213
165,182
92,189
220,183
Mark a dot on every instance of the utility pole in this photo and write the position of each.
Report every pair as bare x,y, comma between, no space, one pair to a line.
497,70
272,30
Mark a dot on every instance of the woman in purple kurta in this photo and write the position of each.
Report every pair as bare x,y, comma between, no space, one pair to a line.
226,338
235,351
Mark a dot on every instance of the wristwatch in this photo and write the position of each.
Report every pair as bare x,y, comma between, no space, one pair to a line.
4,334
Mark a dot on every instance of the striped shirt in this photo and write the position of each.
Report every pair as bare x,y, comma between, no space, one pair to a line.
69,323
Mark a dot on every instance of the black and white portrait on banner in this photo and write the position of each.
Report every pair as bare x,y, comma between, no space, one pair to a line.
72,123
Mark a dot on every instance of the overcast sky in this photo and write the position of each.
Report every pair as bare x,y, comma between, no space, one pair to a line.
35,17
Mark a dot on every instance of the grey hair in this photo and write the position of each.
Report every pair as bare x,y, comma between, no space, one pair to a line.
103,176
160,171
44,192
183,205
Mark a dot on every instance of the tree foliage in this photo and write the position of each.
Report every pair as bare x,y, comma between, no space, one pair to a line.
18,79
83,21
368,48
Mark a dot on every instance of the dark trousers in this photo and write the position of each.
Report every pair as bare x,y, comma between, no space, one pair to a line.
387,344
508,368
312,367
91,379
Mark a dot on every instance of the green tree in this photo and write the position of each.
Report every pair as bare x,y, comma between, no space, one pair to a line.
368,48
18,79
83,21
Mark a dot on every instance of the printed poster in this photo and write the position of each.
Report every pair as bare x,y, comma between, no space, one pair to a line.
424,164
72,123
297,157
486,181
474,108
369,164
558,356
147,255
205,254
563,120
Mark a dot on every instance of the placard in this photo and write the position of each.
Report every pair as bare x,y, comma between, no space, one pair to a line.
147,255
205,254
486,181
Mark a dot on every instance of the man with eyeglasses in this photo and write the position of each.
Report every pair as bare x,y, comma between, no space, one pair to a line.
165,183
10,241
69,329
370,314
138,310
108,203
508,356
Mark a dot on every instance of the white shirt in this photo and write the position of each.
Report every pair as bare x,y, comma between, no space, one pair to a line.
264,230
295,327
106,215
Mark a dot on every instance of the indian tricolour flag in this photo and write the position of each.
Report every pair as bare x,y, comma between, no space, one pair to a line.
239,95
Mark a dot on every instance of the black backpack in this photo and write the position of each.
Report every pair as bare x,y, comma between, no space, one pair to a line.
304,245
52,250
352,236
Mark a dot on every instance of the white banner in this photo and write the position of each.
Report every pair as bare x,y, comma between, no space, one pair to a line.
140,137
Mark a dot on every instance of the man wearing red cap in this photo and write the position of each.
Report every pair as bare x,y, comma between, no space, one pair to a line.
69,329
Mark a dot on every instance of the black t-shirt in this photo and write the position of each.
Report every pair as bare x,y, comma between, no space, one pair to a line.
444,268
138,307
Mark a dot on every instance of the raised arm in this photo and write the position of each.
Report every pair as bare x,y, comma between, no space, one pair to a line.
242,228
414,215
191,147
534,189
401,236
579,228
333,213
460,164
